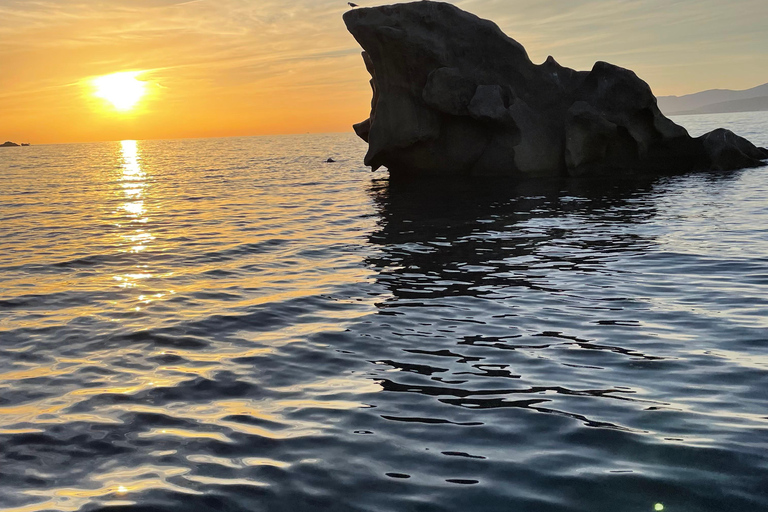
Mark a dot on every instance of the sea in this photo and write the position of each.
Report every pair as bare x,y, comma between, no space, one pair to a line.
237,325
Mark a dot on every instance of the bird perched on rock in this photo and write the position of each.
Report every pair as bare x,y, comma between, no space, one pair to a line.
351,4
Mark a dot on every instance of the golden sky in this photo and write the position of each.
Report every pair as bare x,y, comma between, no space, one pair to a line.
251,67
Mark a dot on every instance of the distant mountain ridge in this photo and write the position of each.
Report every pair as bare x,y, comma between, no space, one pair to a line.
716,101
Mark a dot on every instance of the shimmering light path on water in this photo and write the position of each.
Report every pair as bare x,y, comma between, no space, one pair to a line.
236,325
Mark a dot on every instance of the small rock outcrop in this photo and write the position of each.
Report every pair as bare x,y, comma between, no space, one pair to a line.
453,95
8,144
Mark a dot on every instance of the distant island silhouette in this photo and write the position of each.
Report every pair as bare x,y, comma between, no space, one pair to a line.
716,101
9,144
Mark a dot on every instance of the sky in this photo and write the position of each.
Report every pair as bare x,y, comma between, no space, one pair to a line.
252,67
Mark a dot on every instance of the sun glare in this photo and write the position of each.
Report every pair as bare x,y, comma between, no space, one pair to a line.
122,90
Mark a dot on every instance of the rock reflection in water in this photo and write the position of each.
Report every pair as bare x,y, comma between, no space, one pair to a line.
462,238
512,300
474,262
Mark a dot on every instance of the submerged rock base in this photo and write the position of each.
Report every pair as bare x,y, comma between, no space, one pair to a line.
453,95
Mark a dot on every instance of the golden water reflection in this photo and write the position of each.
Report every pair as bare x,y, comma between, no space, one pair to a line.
134,183
134,212
117,379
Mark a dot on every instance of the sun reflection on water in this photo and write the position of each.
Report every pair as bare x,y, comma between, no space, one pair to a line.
133,181
134,184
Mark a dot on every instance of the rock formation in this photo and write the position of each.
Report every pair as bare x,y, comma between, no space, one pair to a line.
8,144
453,95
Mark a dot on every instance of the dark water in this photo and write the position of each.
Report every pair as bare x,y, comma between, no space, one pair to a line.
234,325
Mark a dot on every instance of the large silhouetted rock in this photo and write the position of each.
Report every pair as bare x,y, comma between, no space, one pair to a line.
452,94
8,144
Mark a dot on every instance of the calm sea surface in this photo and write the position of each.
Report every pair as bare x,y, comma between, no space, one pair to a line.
235,325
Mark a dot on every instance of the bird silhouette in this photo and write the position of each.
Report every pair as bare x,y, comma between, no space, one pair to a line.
351,4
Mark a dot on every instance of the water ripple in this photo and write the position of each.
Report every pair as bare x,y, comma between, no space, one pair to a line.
236,325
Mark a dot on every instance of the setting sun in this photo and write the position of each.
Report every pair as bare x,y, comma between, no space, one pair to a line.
122,90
